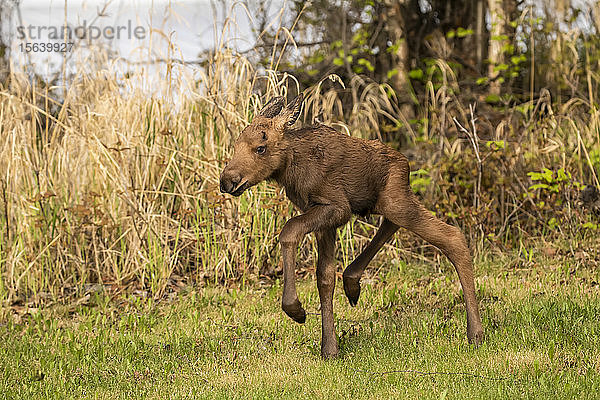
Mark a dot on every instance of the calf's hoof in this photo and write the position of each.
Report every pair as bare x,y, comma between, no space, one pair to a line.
352,289
475,336
295,311
329,351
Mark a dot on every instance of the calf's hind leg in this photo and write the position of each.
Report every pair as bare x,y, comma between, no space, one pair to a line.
355,270
402,207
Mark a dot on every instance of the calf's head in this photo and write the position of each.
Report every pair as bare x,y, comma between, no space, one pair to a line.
260,149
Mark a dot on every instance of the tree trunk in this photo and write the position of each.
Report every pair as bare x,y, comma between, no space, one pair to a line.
3,63
495,52
479,32
396,28
4,49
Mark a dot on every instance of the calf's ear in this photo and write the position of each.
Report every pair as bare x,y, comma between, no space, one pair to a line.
293,110
273,107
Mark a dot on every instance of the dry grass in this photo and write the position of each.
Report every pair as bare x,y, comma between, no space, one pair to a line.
118,185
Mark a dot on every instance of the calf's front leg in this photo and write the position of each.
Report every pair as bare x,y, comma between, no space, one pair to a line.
317,218
326,286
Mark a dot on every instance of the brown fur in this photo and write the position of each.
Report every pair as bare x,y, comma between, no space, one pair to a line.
329,176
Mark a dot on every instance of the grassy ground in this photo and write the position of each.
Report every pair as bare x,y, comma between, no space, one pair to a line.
405,339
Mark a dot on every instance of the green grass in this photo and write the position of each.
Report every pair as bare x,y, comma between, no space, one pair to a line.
542,325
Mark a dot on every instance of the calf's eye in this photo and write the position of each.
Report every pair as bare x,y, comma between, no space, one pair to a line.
261,149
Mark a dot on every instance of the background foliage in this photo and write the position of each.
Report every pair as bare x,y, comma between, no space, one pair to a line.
107,187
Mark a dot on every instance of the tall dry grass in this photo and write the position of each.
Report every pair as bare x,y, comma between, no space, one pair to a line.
118,186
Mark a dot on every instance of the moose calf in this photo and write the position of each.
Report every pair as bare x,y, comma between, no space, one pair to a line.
329,176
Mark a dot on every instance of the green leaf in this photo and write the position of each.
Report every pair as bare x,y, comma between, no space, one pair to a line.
500,67
394,47
450,34
547,175
360,37
492,98
562,175
420,180
317,58
420,171
524,109
416,73
508,48
366,63
391,73
462,32
535,176
539,186
338,61
497,144
482,81
518,59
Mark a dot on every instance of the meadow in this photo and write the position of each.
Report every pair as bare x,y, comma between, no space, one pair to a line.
405,339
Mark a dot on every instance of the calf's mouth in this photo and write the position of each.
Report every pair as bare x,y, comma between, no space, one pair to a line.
240,189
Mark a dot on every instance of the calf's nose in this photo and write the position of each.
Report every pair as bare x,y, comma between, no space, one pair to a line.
228,182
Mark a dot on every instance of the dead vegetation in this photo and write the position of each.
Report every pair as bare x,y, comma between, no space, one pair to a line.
114,185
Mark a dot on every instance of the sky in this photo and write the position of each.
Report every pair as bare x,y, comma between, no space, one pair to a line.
183,27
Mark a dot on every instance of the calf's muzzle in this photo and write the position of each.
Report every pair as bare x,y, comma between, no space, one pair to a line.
229,181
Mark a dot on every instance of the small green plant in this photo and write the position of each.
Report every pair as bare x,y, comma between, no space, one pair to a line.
549,180
420,180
